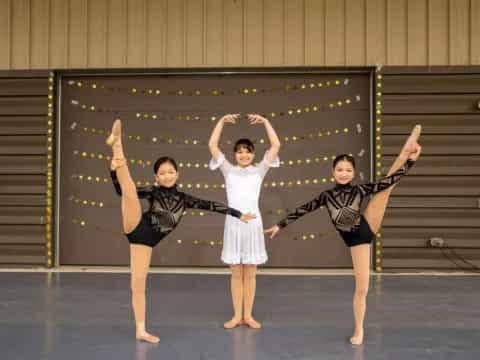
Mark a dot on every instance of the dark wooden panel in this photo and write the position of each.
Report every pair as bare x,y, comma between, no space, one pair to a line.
23,125
441,165
23,87
461,144
434,202
432,124
427,258
22,200
419,236
22,184
10,215
416,217
19,259
23,148
439,185
23,164
22,234
22,254
431,84
31,74
21,249
23,105
431,104
23,145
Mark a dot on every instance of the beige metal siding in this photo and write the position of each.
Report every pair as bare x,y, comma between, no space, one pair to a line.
185,33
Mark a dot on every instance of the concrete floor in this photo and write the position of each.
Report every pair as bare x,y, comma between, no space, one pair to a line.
88,316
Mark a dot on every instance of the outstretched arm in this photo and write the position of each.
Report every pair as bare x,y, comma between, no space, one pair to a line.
271,133
193,202
217,132
305,209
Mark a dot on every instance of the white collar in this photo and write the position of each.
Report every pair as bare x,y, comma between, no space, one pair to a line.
248,169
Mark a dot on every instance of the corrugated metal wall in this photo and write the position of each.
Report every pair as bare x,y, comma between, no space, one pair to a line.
23,167
157,33
441,197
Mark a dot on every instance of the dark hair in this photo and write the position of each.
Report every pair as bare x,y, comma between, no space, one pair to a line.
163,160
344,157
244,144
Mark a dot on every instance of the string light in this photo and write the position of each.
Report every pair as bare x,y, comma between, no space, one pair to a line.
378,160
185,141
312,236
206,92
294,112
50,180
84,202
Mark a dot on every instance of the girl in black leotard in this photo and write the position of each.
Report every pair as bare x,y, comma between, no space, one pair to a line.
144,231
343,203
166,209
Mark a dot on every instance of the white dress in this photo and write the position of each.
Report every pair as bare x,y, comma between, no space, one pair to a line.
243,243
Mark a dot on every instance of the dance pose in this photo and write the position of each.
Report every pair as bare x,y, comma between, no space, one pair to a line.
243,246
343,203
146,230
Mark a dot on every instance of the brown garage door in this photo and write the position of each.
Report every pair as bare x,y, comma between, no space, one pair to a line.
317,115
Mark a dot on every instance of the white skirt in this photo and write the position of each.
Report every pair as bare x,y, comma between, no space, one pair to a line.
243,243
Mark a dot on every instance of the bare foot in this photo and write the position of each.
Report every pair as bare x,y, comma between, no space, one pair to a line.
357,338
232,323
145,336
252,323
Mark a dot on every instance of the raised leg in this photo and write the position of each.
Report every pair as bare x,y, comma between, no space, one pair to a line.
236,287
140,257
361,267
375,211
131,207
249,285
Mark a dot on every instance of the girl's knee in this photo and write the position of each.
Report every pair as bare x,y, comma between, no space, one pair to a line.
250,272
237,271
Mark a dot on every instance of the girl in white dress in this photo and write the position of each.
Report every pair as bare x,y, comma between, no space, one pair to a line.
243,244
